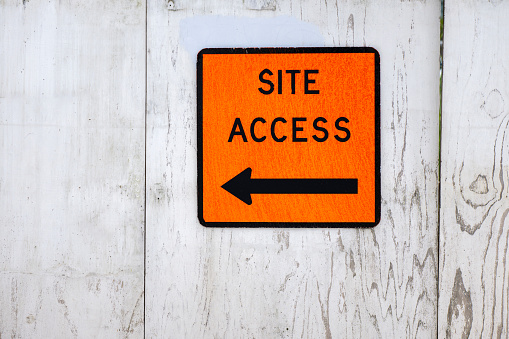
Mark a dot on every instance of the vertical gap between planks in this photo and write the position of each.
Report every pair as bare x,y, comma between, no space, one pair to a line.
441,86
145,170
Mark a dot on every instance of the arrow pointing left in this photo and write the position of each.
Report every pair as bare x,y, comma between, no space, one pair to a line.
242,186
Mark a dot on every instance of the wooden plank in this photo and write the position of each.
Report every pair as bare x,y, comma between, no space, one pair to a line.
72,101
317,283
474,229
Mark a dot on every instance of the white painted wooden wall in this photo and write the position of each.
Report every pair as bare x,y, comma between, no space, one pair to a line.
474,232
98,98
314,283
72,144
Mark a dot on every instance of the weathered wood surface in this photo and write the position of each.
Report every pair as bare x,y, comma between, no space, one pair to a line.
316,283
474,234
71,168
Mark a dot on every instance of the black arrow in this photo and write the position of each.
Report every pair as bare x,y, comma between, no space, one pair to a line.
242,186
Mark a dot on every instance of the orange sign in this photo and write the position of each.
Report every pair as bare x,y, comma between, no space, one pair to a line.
289,137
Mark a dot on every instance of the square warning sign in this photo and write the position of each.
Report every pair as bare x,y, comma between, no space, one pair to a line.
289,137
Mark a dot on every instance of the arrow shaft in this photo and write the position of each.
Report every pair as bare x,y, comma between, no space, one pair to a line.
303,186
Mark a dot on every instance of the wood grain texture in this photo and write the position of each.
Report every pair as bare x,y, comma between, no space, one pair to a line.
72,168
316,283
474,234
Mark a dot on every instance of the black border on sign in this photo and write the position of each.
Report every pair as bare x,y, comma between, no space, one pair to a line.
289,50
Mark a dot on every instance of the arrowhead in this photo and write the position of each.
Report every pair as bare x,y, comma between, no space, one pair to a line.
239,186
